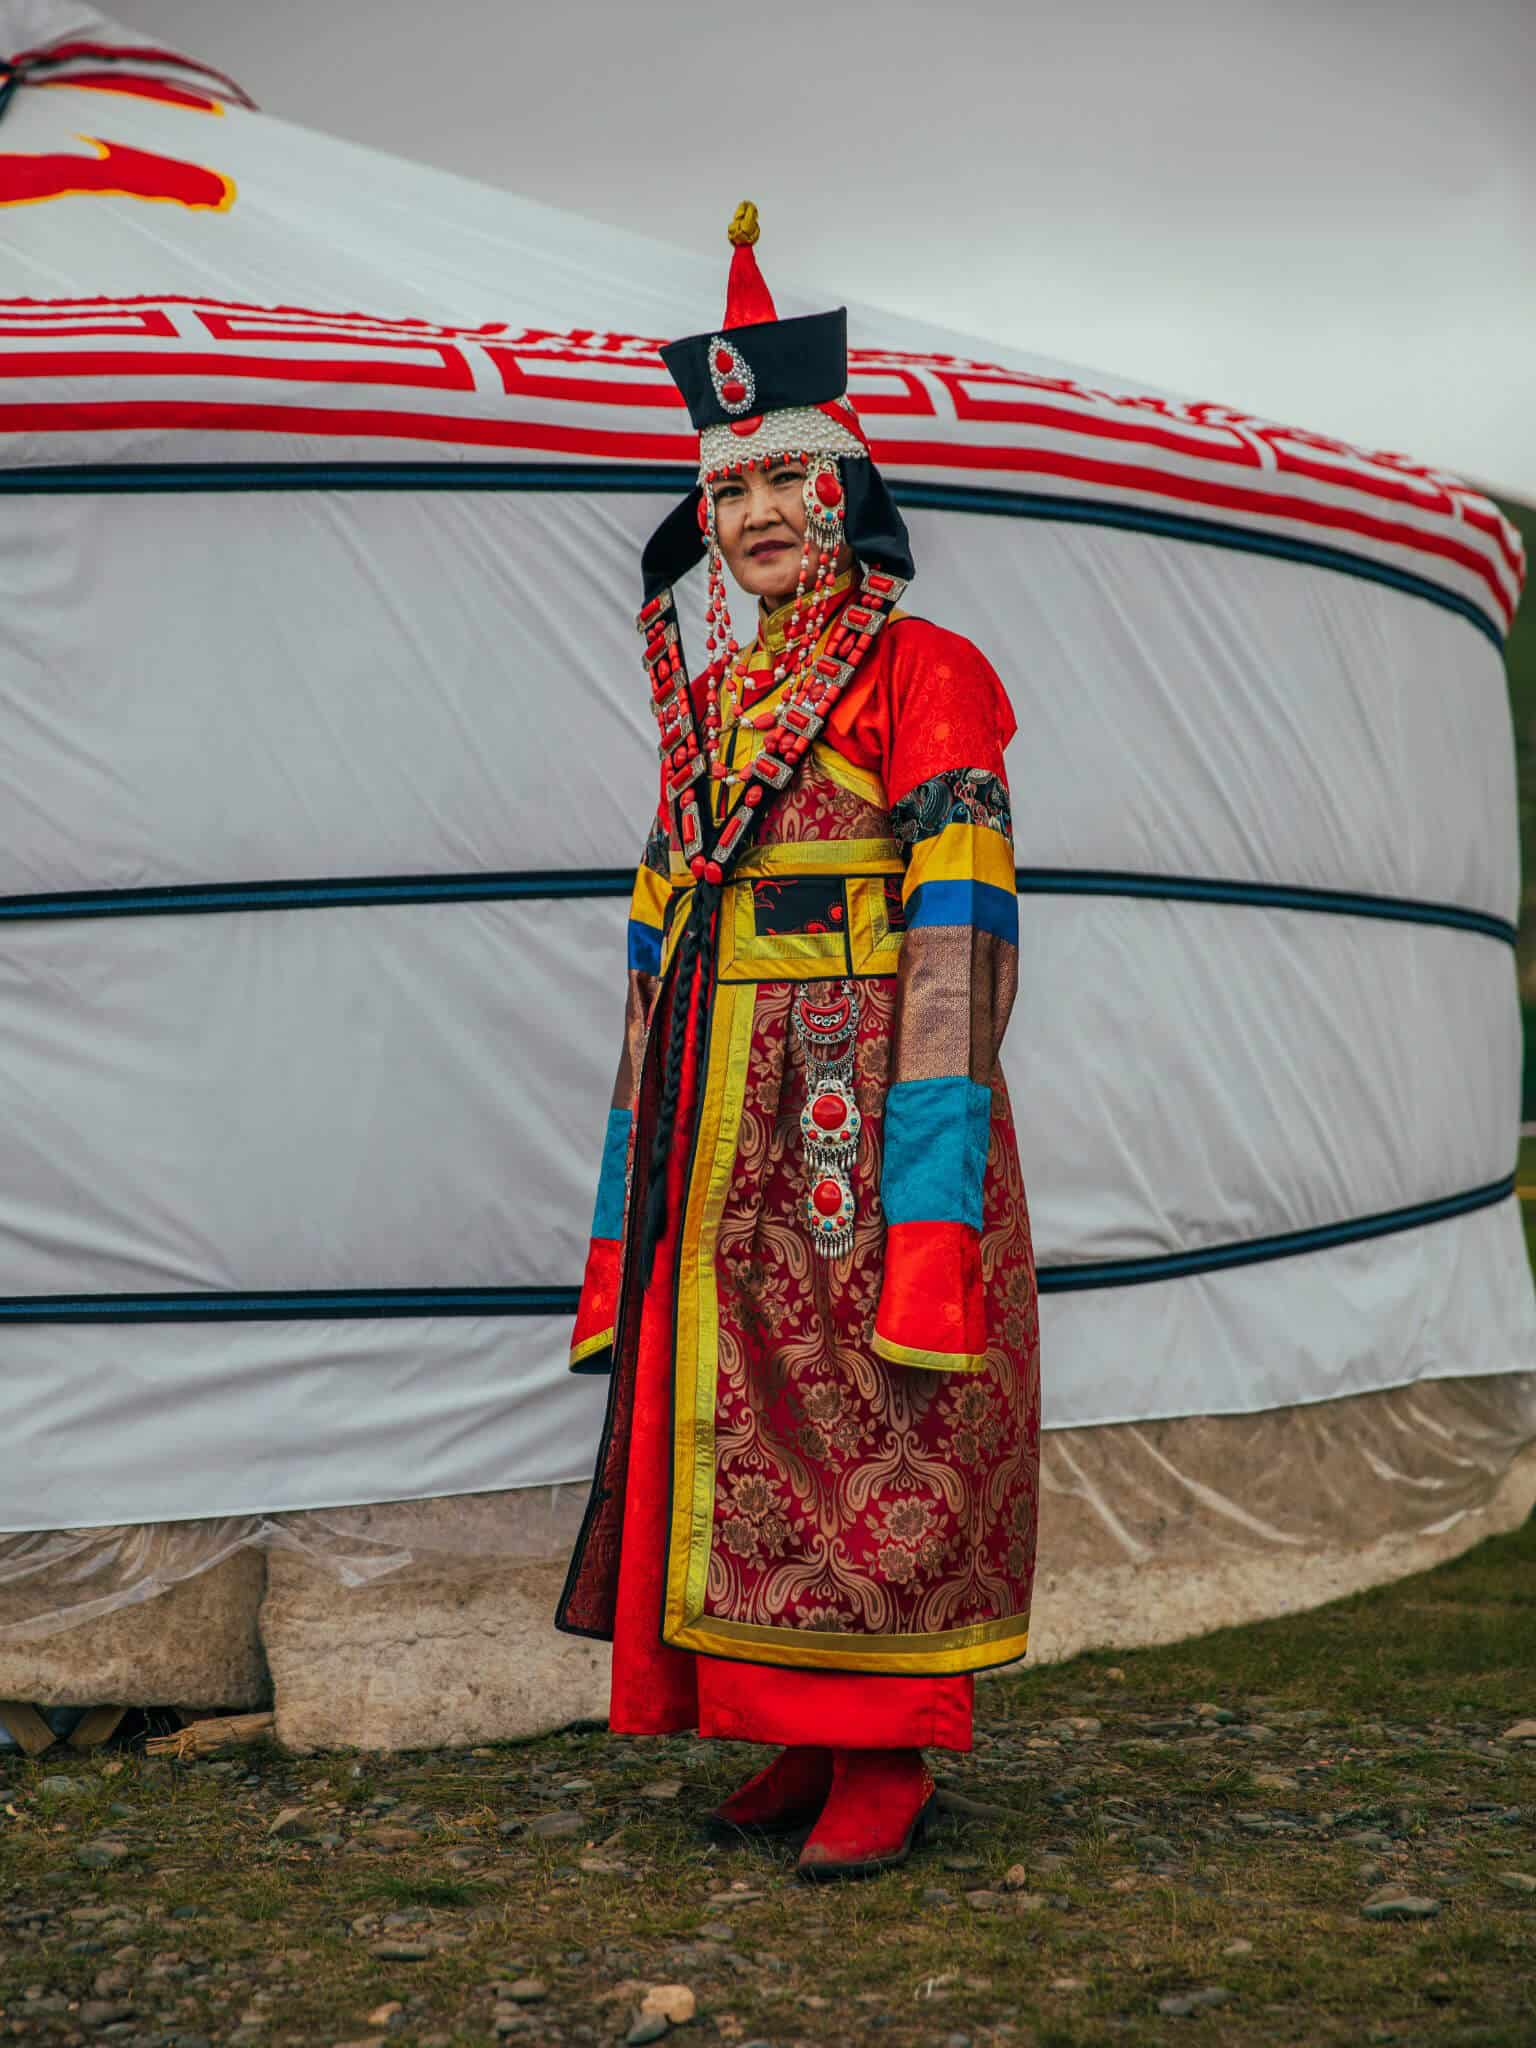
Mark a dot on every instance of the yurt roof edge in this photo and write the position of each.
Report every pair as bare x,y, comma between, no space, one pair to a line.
958,424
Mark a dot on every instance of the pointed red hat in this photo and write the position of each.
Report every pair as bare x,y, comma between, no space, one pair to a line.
748,300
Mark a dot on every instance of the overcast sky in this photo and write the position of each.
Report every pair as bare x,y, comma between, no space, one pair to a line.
1323,211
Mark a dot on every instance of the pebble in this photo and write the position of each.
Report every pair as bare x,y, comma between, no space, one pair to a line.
1069,1983
383,2014
1517,1880
527,1990
1276,1781
1522,1731
962,1862
1028,1902
393,1838
369,2041
649,2027
291,1824
1185,2005
99,2012
1115,1675
63,1788
1393,1903
662,1788
675,2003
400,1951
1238,1948
1015,1878
557,1827
984,1901
102,1855
1157,1846
511,1827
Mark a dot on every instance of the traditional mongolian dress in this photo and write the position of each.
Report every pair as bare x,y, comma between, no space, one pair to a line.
813,1515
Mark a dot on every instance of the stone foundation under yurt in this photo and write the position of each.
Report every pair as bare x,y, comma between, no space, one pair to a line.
421,1624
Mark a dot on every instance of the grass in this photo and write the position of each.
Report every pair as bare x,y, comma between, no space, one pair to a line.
1152,1842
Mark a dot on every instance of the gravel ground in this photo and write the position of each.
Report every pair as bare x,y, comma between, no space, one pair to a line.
1318,1830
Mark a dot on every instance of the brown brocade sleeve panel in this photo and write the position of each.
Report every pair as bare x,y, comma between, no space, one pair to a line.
591,1340
956,983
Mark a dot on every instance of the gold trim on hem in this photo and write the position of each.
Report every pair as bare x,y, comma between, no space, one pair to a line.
932,1361
697,1329
944,1652
588,1345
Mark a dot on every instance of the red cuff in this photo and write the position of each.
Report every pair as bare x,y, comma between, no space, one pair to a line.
932,1311
592,1338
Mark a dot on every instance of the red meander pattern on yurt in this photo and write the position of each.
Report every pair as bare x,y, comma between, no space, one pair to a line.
74,367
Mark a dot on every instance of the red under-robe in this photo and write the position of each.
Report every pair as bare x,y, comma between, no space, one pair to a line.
661,1691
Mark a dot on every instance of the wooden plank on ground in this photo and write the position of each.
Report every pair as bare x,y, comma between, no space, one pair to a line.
96,1726
26,1727
207,1738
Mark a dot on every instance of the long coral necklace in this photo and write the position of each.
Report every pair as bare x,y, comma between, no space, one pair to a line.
725,681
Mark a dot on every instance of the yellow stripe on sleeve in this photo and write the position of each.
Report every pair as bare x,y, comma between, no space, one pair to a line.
961,853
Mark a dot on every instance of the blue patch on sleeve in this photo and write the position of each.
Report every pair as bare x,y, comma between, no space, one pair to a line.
936,1136
608,1215
981,904
644,947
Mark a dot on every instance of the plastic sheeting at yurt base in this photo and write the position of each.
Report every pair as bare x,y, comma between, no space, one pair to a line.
321,803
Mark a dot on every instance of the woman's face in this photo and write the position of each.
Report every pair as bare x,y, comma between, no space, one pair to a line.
760,522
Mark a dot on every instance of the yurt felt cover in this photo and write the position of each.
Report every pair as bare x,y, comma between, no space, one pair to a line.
325,759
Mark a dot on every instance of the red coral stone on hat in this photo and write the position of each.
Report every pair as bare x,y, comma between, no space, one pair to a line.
733,391
828,489
827,1197
748,426
724,361
829,1111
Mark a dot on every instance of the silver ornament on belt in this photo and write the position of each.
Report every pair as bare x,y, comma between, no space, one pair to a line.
826,1020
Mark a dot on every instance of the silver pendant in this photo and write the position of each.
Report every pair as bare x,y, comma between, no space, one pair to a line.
826,1017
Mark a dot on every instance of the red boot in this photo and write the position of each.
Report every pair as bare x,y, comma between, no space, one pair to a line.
790,1792
878,1807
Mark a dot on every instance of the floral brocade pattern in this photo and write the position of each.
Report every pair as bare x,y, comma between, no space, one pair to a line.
960,796
853,1495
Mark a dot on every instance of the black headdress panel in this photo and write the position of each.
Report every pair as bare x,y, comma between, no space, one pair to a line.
793,362
876,531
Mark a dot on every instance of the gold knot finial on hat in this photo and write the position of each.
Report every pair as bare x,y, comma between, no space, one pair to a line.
744,229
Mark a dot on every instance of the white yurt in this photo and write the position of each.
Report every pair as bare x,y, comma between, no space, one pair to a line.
325,759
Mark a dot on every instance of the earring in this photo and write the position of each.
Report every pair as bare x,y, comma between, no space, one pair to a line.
823,496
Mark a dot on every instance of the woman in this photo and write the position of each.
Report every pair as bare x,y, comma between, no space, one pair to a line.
810,1273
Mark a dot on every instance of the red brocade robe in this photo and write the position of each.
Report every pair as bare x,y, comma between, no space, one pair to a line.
813,1515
